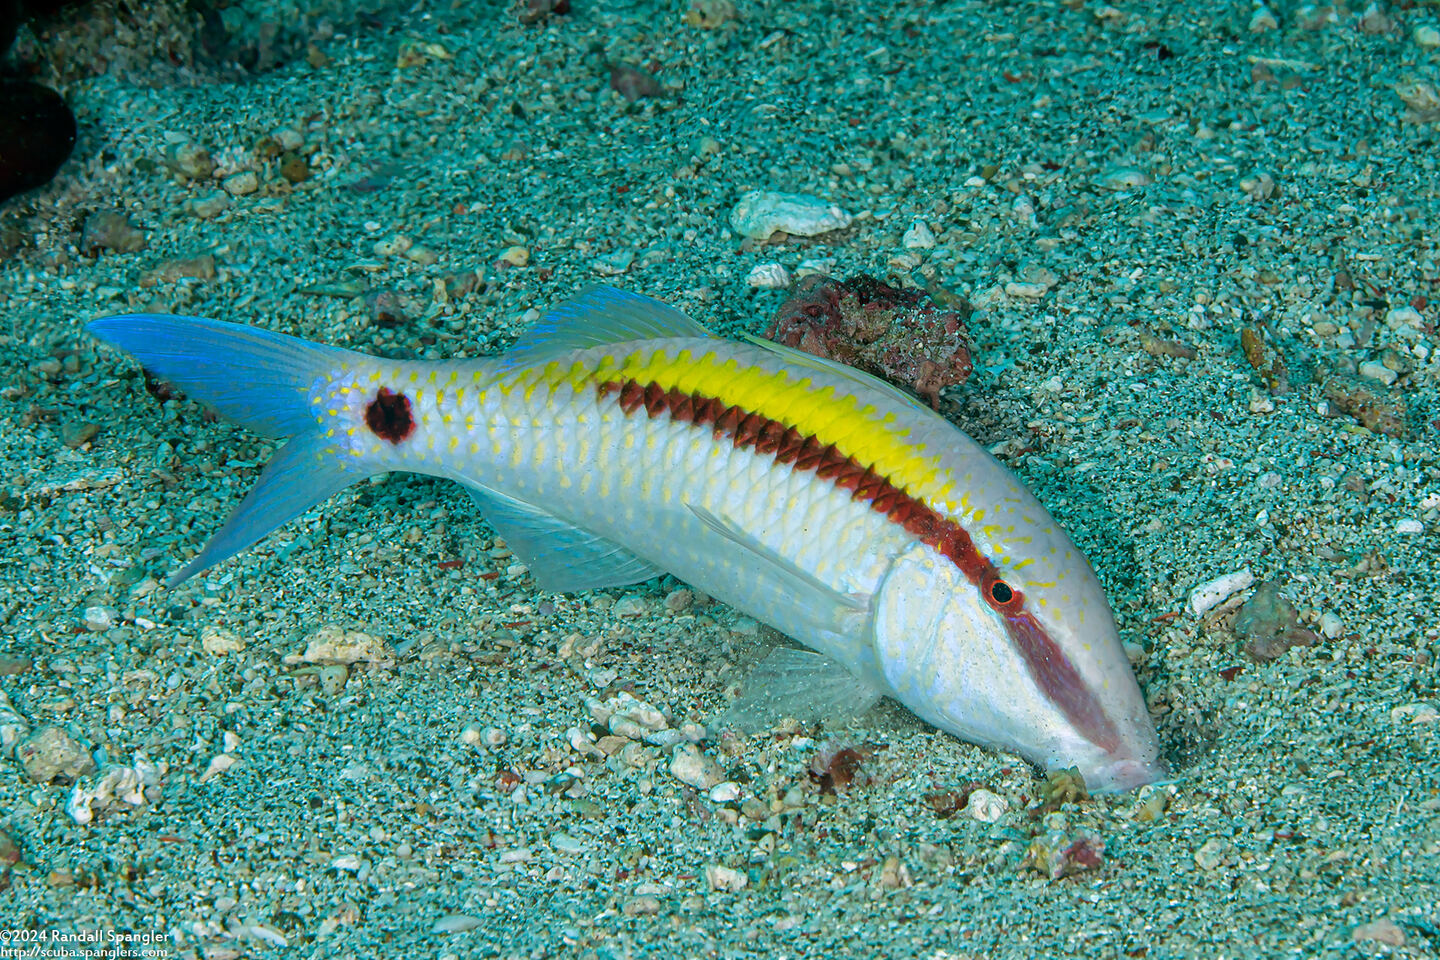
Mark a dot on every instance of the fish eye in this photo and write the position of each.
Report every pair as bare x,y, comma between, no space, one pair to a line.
1001,595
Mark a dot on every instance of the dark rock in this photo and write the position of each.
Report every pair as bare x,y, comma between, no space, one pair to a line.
37,132
9,23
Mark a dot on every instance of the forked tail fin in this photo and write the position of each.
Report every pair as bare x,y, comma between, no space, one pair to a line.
264,382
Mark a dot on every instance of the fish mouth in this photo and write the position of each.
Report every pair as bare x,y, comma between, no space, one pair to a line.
1122,776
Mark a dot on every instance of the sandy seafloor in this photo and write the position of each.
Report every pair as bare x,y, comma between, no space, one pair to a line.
1113,158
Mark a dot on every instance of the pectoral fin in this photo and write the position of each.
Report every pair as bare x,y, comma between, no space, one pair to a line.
782,569
808,686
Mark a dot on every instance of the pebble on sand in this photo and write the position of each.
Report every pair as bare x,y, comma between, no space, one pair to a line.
762,213
1384,931
218,765
768,276
679,600
110,230
13,726
1262,19
724,879
725,792
1123,178
188,268
710,14
918,237
333,677
644,906
1061,853
116,786
613,264
628,716
1211,593
209,206
1211,854
633,83
986,806
50,753
456,923
76,435
98,619
693,768
566,844
1422,100
242,183
219,642
1418,712
631,606
334,644
189,160
1375,370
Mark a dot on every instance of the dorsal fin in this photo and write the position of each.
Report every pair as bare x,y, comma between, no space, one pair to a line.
800,358
594,317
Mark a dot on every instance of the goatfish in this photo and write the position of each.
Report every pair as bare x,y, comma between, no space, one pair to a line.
619,440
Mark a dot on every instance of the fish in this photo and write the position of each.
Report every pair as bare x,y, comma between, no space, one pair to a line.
619,439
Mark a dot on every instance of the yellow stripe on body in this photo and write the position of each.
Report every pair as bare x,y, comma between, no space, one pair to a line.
780,395
786,397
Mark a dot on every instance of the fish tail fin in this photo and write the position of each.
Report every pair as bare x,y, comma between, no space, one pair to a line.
263,381
260,380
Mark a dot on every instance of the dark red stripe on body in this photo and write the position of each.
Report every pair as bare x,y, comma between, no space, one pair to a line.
1051,670
1056,676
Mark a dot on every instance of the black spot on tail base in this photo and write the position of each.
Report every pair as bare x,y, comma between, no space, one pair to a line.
388,416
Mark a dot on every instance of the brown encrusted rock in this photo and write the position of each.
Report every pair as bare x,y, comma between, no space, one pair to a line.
1269,624
1062,853
1267,362
110,230
900,336
1374,406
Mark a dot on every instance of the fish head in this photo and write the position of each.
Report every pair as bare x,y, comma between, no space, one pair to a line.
1017,653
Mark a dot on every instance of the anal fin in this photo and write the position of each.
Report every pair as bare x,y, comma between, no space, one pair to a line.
808,686
561,556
